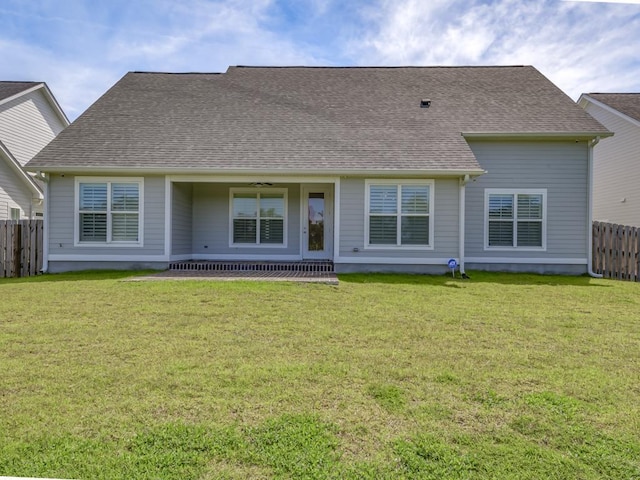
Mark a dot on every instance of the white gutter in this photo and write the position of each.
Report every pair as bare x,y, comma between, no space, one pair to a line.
461,219
590,271
260,174
532,135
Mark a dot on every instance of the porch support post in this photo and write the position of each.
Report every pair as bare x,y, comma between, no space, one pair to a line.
168,194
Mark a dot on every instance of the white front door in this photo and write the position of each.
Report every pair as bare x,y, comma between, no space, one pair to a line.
317,222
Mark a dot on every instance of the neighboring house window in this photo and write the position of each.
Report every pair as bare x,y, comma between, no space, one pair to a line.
109,211
399,214
14,213
258,217
515,219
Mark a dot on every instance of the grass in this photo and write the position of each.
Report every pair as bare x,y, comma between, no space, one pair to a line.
384,376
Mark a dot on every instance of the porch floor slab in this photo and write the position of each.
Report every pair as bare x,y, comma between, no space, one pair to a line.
328,278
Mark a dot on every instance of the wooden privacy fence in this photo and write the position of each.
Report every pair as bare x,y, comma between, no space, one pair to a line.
20,248
616,251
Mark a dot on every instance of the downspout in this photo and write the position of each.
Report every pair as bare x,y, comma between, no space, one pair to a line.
45,222
590,271
461,219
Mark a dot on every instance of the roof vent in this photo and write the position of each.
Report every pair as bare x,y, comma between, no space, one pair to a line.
425,103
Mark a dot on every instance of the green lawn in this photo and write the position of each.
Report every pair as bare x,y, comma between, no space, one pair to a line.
497,377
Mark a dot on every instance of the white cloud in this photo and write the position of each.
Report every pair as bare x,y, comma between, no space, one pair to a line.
81,48
206,36
580,47
631,2
74,84
194,35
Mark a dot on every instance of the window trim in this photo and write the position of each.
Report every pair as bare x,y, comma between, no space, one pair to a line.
258,191
515,192
13,211
108,243
398,183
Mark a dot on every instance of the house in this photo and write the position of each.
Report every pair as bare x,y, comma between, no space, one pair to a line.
374,169
30,117
616,161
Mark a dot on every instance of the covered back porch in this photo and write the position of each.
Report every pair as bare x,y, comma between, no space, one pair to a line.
222,221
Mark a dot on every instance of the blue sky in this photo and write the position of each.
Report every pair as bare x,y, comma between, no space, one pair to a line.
82,47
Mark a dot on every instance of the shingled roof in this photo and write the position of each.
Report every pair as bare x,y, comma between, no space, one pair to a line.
626,103
9,89
312,119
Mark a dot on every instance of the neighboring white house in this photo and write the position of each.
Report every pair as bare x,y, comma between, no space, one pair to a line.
372,169
30,118
616,192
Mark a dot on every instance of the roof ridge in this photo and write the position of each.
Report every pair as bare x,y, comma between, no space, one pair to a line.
21,81
176,73
355,67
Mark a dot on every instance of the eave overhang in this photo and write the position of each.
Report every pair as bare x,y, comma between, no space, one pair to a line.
374,172
579,136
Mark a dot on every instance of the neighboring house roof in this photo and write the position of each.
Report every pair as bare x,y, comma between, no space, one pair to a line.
313,119
30,182
10,90
625,103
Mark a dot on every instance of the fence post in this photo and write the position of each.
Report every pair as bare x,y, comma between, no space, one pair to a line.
3,249
596,253
636,243
21,247
16,250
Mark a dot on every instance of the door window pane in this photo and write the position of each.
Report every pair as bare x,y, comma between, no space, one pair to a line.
316,222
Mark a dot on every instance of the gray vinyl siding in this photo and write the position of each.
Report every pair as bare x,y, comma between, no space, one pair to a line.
616,170
182,218
352,222
559,167
62,214
211,222
13,193
27,124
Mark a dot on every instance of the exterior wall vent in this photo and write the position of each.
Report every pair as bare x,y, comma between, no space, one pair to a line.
425,103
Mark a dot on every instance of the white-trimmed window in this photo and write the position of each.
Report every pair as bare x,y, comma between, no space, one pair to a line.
399,214
515,219
258,217
14,213
109,211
